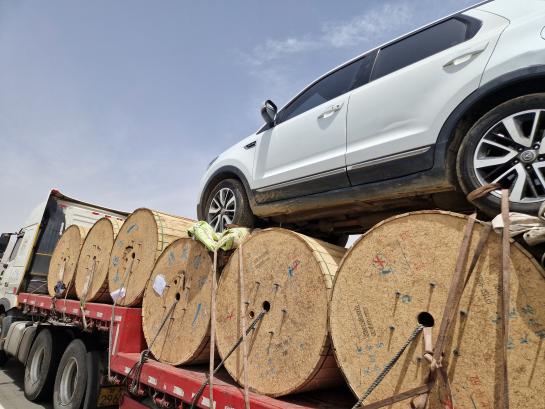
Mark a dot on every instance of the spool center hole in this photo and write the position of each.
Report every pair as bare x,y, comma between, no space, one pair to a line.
266,306
251,314
177,296
425,319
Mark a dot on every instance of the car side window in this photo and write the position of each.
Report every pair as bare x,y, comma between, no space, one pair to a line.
337,83
423,44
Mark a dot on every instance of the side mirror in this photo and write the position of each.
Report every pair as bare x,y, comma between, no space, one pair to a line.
268,112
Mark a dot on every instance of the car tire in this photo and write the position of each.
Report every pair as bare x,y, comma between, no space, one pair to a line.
220,198
71,378
492,150
41,365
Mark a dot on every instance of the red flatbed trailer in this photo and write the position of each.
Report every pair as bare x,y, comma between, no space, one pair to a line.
170,387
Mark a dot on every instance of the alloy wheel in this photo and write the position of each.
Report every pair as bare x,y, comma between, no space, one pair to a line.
222,209
512,153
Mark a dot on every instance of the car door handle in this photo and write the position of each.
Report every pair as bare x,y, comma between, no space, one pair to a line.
330,111
462,59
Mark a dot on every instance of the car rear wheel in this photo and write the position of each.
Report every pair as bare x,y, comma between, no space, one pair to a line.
228,204
506,146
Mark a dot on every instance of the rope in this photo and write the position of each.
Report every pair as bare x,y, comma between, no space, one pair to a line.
213,325
65,297
243,325
220,365
388,366
505,296
83,300
112,318
482,191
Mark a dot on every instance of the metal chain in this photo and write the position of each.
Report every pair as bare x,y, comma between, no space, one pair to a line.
389,366
220,365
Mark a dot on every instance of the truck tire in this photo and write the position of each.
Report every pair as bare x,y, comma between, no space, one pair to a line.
71,379
41,366
94,359
26,343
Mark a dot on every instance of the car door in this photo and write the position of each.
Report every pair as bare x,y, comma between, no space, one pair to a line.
304,152
417,81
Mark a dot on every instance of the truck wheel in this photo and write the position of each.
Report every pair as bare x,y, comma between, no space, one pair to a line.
71,379
94,360
41,365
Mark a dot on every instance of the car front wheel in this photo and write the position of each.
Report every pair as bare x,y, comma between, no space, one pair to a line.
506,146
227,204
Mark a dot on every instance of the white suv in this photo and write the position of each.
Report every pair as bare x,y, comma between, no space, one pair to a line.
414,123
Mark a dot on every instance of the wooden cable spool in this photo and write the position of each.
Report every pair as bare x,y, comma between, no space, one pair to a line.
64,260
290,276
92,269
142,238
398,274
182,275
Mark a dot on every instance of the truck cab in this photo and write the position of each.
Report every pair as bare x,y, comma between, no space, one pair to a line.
26,253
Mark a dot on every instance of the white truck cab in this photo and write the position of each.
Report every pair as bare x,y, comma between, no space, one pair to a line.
26,254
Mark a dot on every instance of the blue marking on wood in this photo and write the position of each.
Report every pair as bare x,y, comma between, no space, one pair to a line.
171,258
199,305
185,252
524,340
202,281
406,299
293,267
133,227
510,344
386,271
197,262
115,261
528,310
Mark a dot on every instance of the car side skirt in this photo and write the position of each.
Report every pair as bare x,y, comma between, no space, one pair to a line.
392,166
321,182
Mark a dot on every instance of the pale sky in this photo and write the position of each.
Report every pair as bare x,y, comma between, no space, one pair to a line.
123,103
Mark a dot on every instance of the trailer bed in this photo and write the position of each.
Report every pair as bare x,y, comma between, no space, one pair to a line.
167,385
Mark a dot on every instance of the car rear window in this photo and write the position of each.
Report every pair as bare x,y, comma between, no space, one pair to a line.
423,44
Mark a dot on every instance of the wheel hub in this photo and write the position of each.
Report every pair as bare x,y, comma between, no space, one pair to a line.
528,156
512,153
